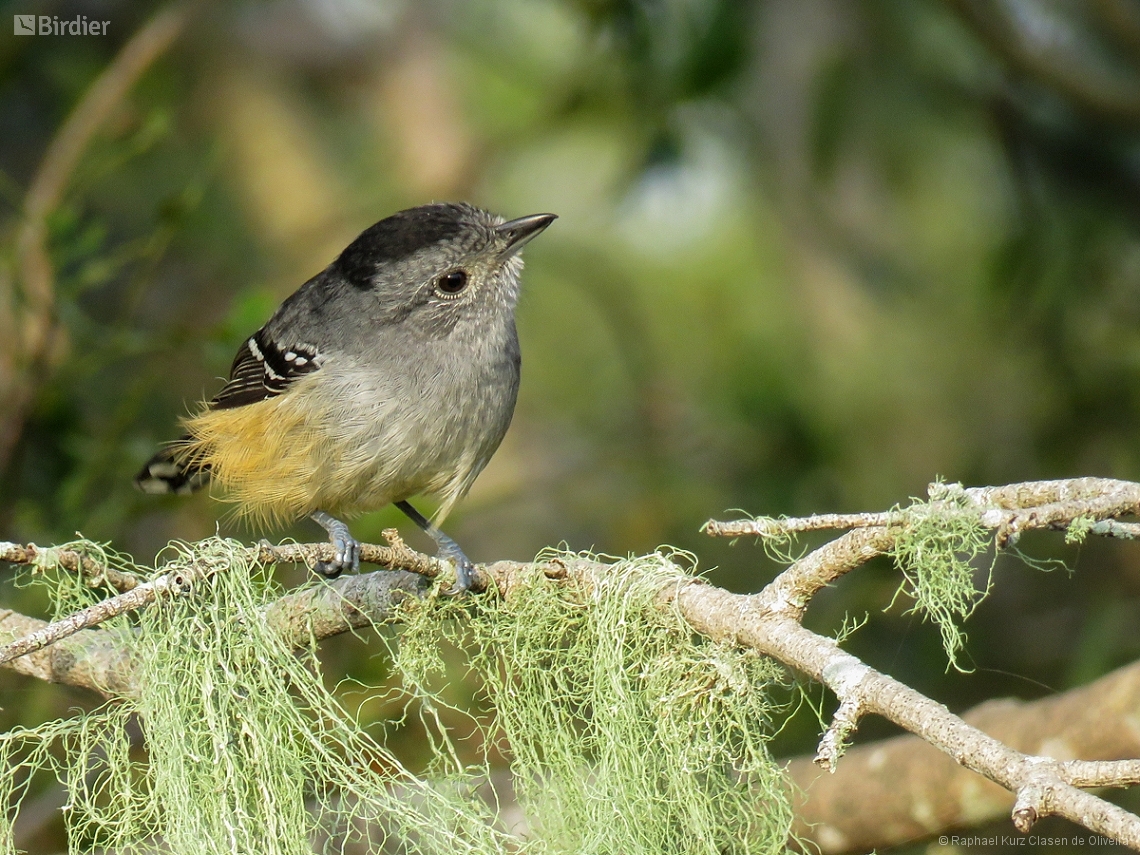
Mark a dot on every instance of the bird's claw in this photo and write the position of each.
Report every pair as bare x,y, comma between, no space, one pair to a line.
447,549
464,573
346,548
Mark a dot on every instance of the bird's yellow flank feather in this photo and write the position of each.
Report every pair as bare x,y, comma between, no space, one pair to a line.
271,458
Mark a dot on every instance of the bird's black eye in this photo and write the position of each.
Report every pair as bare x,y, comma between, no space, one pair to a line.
453,282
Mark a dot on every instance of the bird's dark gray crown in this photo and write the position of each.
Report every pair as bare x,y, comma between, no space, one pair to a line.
403,234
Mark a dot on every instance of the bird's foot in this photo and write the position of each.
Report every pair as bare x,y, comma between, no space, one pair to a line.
346,547
447,549
464,570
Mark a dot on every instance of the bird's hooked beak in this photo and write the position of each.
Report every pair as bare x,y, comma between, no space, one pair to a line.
518,233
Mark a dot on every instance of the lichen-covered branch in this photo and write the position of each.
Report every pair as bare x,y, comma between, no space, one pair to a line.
98,660
790,592
769,622
1012,508
179,582
897,790
1044,778
92,659
92,616
348,603
69,559
395,556
782,526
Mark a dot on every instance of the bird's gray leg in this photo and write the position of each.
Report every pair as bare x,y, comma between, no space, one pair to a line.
448,549
347,547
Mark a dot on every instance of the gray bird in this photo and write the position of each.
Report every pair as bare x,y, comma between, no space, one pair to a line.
392,373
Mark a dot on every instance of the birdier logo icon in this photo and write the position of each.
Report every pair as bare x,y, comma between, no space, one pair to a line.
53,25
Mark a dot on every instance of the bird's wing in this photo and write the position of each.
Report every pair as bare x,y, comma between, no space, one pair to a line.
263,368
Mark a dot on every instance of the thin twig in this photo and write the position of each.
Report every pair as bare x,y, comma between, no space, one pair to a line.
1101,773
1115,528
71,560
771,527
395,556
1010,509
137,598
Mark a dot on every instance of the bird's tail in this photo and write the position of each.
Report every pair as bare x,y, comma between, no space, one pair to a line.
170,471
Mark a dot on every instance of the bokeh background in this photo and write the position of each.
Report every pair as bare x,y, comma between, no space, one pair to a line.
811,256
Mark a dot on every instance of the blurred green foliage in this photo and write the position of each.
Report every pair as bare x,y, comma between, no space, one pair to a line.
811,255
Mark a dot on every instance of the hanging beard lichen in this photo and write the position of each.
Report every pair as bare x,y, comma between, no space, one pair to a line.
935,547
627,733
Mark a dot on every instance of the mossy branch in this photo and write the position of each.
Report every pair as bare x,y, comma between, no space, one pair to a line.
768,622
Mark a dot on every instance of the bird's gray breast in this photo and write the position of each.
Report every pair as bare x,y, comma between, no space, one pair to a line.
420,415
